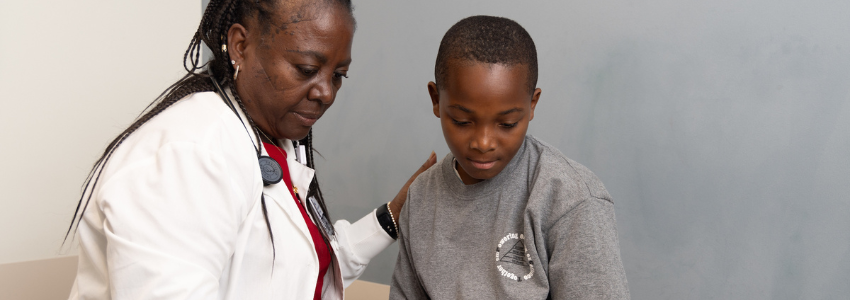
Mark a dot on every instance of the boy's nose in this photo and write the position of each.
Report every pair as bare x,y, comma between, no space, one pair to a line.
483,140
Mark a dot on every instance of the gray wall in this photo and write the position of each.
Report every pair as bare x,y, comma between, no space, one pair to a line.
721,128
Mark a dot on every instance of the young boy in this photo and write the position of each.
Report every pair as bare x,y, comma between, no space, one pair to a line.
504,215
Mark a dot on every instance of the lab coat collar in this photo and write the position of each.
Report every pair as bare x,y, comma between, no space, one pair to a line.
243,117
301,177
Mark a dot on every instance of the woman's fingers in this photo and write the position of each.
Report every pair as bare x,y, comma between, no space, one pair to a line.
401,197
432,159
428,163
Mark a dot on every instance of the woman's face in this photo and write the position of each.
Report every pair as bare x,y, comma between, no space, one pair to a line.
290,71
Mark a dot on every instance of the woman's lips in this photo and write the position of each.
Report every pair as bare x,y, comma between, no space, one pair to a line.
482,165
307,119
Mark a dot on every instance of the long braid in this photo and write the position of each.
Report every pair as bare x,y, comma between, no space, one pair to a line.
316,193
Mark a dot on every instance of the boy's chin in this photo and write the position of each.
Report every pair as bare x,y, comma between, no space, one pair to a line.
482,175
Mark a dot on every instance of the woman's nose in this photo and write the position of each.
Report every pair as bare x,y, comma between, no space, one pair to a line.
323,91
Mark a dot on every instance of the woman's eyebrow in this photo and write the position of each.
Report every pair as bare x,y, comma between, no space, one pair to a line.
319,56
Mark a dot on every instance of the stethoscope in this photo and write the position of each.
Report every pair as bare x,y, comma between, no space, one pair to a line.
270,170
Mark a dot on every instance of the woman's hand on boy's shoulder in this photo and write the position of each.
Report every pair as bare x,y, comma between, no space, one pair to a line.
398,202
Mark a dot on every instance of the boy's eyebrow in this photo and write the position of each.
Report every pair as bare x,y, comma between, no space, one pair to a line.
516,109
458,106
466,110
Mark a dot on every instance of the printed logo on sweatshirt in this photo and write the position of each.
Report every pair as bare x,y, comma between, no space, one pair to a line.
512,259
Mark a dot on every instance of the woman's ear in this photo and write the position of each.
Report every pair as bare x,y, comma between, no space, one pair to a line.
237,41
434,92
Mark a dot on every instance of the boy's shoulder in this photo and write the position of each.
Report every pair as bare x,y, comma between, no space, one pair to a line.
554,170
429,177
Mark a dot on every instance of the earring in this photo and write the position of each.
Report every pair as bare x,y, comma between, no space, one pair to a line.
232,62
236,73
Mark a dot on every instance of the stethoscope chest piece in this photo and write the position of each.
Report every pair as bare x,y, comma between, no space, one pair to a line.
271,170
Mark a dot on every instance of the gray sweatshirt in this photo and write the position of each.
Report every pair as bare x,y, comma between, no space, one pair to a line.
544,228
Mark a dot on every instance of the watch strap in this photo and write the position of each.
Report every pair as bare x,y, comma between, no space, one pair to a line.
386,221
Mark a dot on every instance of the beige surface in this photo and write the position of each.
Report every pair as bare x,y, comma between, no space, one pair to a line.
44,279
364,290
49,279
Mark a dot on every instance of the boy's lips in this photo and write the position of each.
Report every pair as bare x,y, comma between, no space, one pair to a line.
482,165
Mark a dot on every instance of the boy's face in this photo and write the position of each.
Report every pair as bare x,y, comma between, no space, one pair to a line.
484,110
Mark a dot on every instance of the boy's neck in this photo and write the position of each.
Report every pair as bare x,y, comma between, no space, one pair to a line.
464,177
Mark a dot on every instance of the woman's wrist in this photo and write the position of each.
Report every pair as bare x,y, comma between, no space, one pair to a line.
387,220
395,208
394,217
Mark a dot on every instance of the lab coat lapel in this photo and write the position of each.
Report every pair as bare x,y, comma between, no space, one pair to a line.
301,175
280,192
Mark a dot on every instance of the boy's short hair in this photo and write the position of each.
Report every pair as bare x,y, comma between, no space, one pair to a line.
487,39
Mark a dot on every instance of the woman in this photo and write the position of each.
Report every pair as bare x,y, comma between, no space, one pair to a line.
206,196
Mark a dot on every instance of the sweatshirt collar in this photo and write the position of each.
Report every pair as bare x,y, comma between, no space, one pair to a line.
483,188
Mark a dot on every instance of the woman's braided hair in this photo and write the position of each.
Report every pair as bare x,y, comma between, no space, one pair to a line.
218,17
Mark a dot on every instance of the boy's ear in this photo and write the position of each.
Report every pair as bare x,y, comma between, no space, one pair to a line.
435,97
534,97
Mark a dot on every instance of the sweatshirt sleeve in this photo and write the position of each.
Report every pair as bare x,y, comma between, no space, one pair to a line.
358,244
405,283
170,223
585,259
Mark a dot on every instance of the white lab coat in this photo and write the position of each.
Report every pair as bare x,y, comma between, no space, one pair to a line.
177,215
